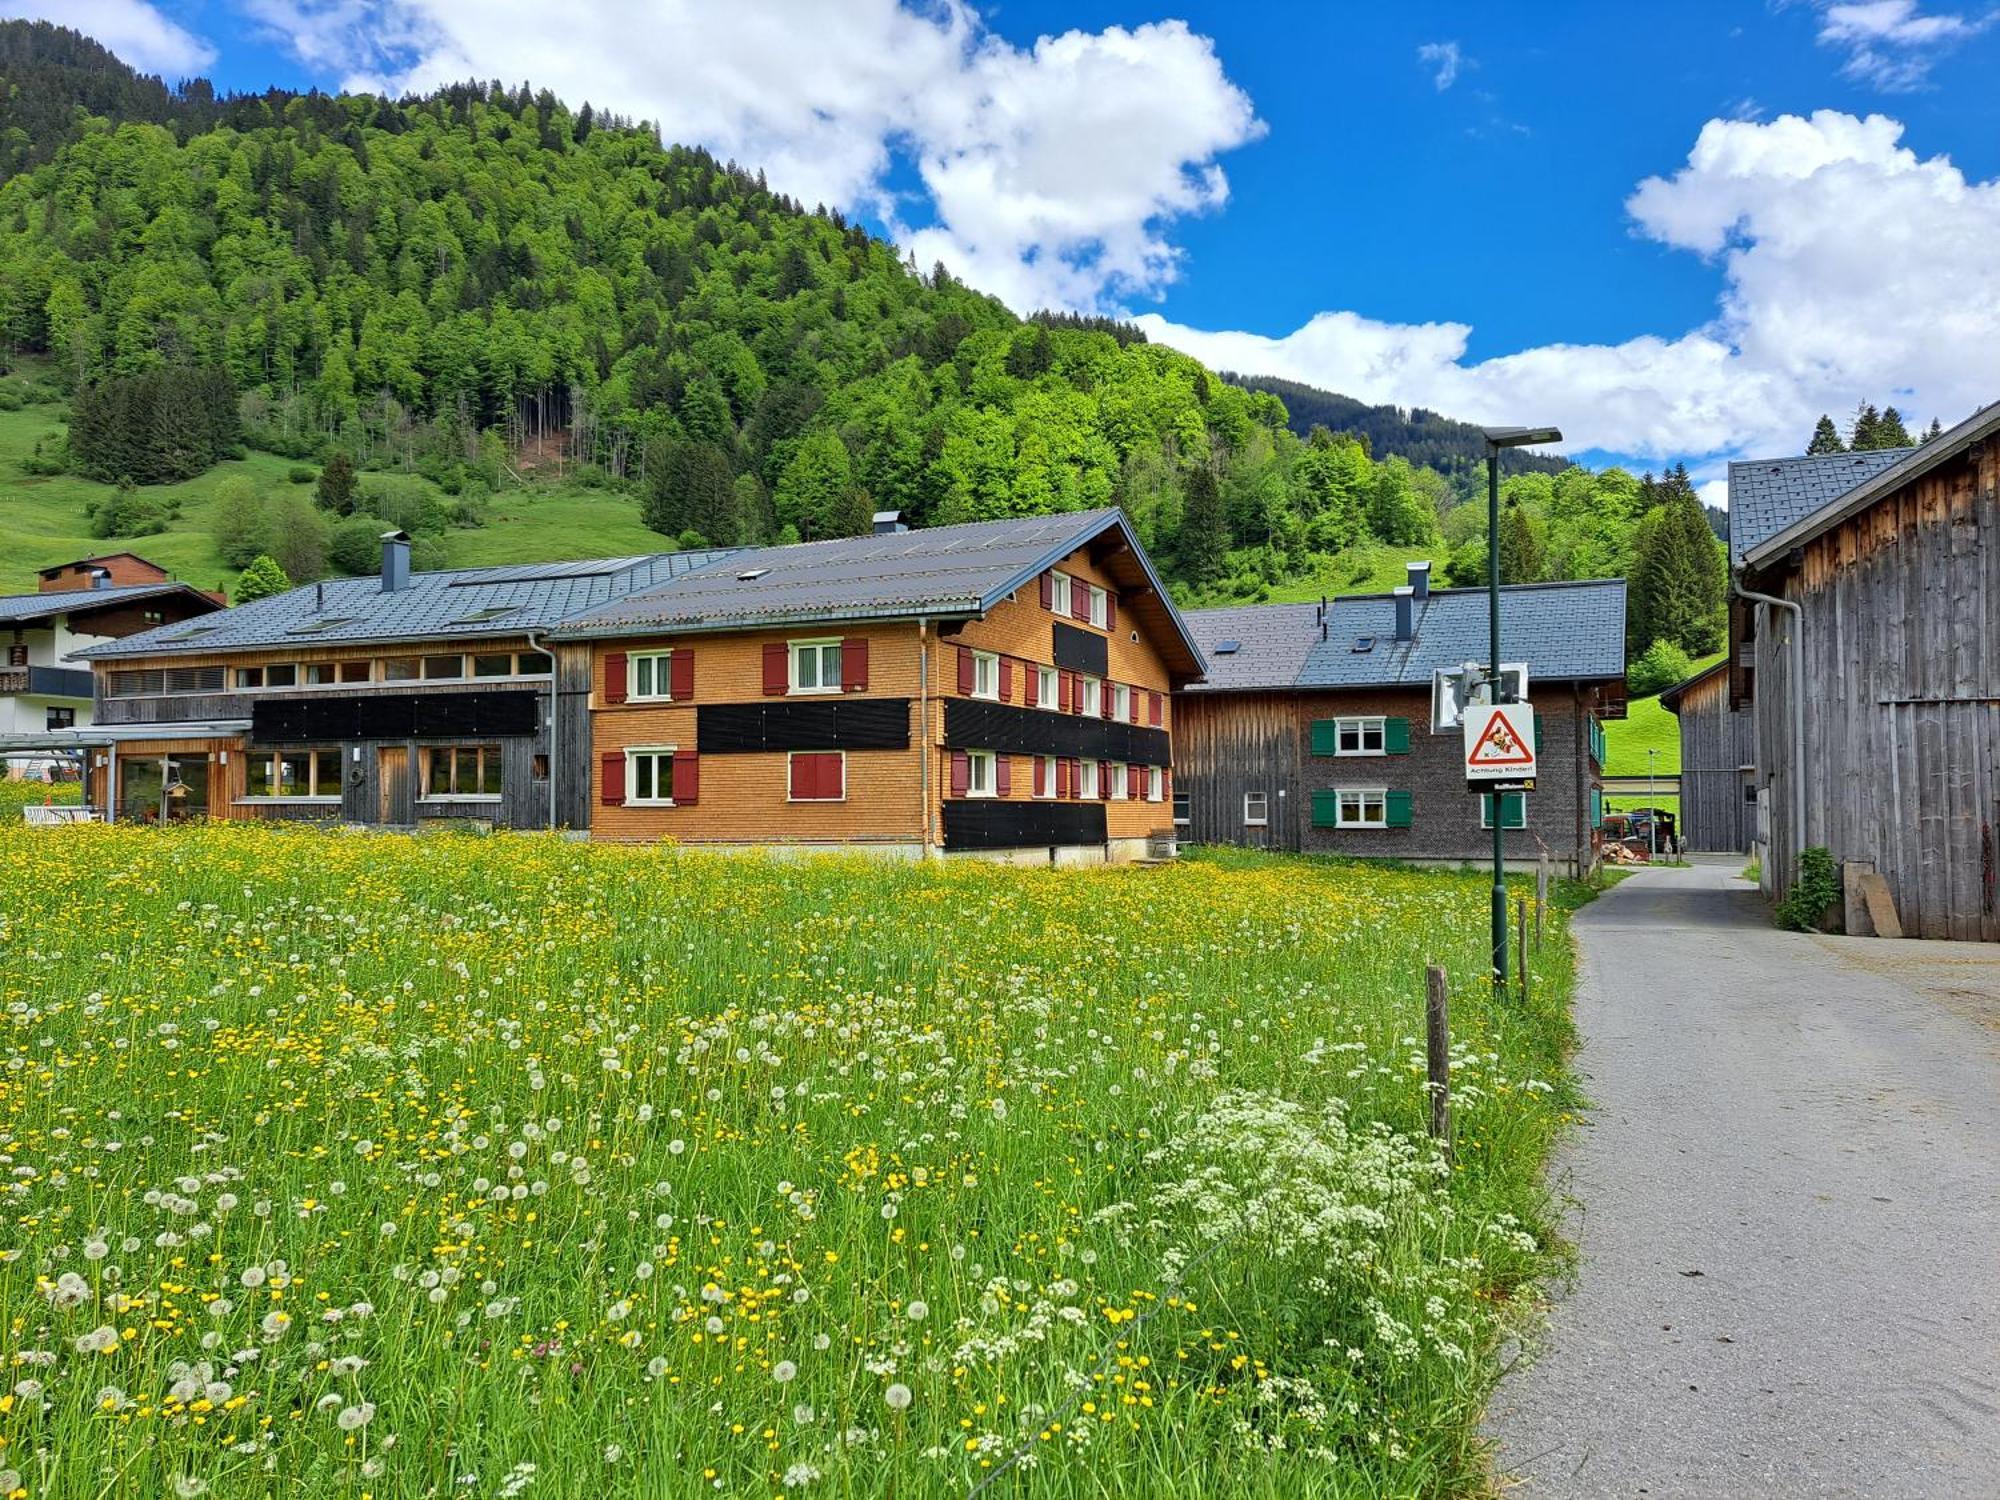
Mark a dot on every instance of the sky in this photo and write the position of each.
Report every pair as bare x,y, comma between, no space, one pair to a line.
1677,231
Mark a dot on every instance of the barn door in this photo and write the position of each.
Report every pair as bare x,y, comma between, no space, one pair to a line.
392,776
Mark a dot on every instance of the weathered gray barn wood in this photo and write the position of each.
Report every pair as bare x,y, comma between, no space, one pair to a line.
1227,745
1718,763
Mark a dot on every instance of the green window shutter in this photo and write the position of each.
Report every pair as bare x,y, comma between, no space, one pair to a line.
1597,807
1539,740
1397,804
1396,736
1513,810
1325,808
1325,737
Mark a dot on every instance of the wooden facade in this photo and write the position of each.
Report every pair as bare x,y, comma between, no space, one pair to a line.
1718,805
1901,644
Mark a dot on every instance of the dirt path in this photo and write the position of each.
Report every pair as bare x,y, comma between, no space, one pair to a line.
1788,1205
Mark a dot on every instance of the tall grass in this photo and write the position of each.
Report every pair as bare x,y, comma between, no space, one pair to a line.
375,1166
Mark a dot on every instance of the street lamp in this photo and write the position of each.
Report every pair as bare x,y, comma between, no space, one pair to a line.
1496,439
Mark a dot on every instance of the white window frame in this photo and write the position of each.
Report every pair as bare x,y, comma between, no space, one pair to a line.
1090,696
1362,796
986,675
1361,724
1086,775
658,669
1183,810
818,646
1261,817
815,800
1488,800
1048,766
1121,776
633,755
982,774
1121,702
1048,687
1099,611
1059,596
1156,784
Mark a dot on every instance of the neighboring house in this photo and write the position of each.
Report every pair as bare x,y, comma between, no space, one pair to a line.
45,689
999,689
1718,812
1890,559
398,700
1313,728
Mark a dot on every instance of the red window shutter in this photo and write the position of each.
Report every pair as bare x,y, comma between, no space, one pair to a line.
965,670
680,679
1107,701
1110,611
777,669
614,677
1062,776
1048,591
1153,707
612,791
1065,690
1003,775
1006,680
1041,777
832,776
1079,600
687,775
801,775
1132,781
961,773
1103,780
854,665
1075,776
1134,698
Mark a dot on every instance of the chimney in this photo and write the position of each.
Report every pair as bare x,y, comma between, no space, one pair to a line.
888,522
1420,581
1406,610
100,578
395,561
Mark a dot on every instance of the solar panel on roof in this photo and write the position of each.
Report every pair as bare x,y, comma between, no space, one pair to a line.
314,627
595,567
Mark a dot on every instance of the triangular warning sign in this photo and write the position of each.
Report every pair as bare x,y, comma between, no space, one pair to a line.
1498,745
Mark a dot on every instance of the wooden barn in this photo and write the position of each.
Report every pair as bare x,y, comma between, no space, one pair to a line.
1718,810
1312,730
1866,633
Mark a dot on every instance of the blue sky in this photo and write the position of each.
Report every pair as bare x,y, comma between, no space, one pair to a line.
1430,204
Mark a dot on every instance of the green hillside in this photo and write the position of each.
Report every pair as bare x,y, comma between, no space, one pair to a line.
1646,726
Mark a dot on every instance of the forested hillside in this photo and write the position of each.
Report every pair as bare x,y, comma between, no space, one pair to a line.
486,291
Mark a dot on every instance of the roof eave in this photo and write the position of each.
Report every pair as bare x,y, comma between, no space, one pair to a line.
951,609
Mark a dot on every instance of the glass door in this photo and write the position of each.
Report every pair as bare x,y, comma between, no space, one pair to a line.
163,788
186,790
140,785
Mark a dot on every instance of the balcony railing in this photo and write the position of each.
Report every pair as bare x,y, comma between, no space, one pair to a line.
46,682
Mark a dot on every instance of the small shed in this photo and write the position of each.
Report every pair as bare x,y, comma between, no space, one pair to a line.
1718,764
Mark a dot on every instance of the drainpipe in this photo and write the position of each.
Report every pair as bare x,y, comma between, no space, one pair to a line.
1798,706
924,732
555,711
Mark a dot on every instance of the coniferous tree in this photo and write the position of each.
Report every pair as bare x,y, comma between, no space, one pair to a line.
261,579
1520,548
1867,423
1677,584
1825,437
1890,432
1204,539
1936,429
337,487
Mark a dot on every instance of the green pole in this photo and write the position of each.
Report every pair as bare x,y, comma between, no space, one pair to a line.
1493,677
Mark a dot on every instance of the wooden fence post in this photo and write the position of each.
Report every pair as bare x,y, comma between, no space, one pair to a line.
1437,1055
1521,945
1541,895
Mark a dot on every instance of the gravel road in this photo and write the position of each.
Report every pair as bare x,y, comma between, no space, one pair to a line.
1787,1201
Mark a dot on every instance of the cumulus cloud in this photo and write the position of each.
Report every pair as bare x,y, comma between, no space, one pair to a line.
1444,61
132,29
1049,174
1851,267
1892,44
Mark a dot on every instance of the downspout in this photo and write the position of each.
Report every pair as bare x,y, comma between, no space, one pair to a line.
1798,707
924,731
555,712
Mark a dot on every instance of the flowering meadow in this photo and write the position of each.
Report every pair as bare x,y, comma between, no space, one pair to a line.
375,1166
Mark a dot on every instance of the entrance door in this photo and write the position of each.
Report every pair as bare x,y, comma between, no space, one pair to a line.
392,776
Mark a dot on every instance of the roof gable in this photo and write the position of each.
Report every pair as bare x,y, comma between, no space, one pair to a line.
48,603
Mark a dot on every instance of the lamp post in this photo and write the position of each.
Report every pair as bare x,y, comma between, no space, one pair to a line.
1496,439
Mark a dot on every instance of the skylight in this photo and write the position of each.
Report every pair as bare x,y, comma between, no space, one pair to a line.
750,575
190,633
481,616
315,627
1364,643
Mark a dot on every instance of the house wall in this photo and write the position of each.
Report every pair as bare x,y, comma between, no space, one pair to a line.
895,798
1233,743
1902,677
122,567
1718,758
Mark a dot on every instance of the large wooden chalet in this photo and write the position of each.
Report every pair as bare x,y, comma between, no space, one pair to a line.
1313,728
1885,565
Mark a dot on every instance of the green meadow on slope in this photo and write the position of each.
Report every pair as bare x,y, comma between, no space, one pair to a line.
1647,725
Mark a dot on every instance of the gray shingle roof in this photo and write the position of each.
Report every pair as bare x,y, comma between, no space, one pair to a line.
462,603
1564,631
1767,495
24,607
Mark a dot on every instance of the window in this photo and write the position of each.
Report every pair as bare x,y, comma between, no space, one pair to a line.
1121,702
985,675
534,664
1155,783
1513,810
293,773
980,777
1256,809
1059,593
134,683
652,675
1749,794
320,673
1361,807
1089,696
649,776
818,776
815,669
399,669
493,664
538,767
281,674
1121,779
1047,693
1098,612
1358,737
436,667
1086,784
463,771
1045,776
62,718
1183,812
249,677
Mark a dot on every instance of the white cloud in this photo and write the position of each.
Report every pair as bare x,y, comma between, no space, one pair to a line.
132,29
1891,44
1049,173
1851,268
1445,60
